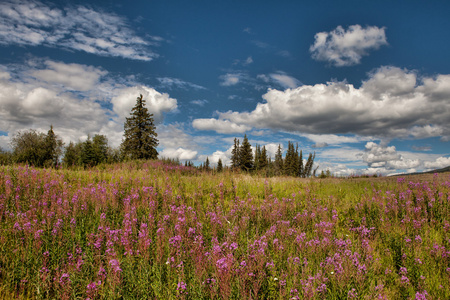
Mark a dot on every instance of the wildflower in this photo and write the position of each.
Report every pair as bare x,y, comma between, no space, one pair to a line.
421,296
64,278
352,294
181,287
404,279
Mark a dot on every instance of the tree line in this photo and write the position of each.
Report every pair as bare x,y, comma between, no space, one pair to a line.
46,150
243,158
140,142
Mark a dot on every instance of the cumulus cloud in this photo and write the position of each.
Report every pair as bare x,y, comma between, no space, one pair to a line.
72,76
440,162
157,103
66,96
180,153
342,47
82,28
220,126
408,109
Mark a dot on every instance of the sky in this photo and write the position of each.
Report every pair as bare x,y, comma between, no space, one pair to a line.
363,84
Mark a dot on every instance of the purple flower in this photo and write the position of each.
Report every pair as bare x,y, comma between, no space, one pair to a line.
181,287
352,294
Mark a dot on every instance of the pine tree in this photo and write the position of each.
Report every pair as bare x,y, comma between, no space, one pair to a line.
235,156
72,155
206,166
263,162
278,161
300,165
100,147
140,135
257,157
87,154
246,155
219,166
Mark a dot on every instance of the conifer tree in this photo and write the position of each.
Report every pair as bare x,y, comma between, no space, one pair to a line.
235,155
72,154
206,166
219,166
257,156
263,162
300,165
100,148
246,155
140,136
278,161
87,154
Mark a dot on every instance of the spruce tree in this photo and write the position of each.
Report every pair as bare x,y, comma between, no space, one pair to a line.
263,162
140,136
206,166
246,155
235,155
278,161
72,155
87,154
257,157
300,165
100,147
219,166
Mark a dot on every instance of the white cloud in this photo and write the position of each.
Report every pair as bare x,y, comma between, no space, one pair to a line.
168,82
157,103
285,81
342,47
230,79
71,76
376,109
74,105
74,28
220,126
180,153
440,162
199,102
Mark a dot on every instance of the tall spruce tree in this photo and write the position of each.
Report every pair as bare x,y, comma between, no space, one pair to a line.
235,160
263,162
246,155
278,161
219,166
140,136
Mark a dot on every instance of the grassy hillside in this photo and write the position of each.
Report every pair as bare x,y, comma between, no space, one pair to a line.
146,230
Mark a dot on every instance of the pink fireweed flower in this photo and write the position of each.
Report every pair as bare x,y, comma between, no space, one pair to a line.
64,278
352,294
115,265
181,287
404,280
421,296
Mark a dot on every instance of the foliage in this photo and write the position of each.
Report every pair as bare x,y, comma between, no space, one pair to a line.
145,229
36,148
140,136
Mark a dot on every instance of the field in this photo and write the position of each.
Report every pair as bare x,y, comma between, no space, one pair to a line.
146,230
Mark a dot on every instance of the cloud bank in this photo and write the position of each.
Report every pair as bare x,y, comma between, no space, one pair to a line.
67,96
392,103
81,28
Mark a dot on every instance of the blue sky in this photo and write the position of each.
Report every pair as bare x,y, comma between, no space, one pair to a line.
364,84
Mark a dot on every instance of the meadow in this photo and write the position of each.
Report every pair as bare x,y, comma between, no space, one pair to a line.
149,230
